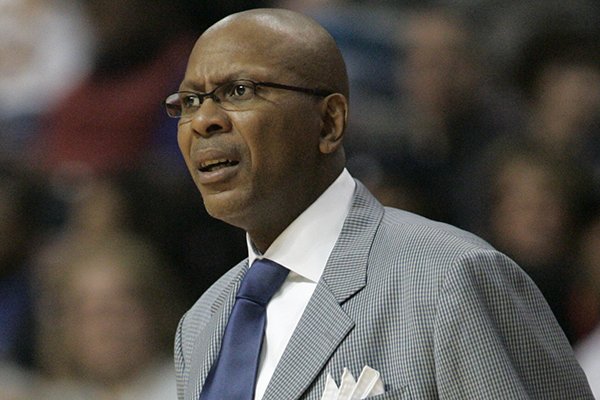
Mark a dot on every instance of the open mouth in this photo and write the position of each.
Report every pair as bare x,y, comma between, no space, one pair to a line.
214,165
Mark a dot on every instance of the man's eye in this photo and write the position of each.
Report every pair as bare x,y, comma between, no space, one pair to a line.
240,91
189,101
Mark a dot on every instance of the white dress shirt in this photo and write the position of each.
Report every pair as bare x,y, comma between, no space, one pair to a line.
304,248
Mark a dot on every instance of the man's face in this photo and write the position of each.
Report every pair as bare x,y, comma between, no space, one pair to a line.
267,155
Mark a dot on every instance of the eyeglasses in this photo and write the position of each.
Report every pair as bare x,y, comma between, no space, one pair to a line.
236,95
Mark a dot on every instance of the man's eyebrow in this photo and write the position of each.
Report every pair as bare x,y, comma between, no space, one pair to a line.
186,84
189,84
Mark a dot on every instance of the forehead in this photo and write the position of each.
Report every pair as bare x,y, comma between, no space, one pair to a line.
244,52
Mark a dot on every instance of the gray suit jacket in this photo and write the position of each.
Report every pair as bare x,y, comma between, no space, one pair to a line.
437,311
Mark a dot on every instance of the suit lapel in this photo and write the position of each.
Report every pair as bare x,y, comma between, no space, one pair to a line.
321,330
207,346
324,323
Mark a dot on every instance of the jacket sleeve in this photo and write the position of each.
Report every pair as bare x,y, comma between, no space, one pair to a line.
496,338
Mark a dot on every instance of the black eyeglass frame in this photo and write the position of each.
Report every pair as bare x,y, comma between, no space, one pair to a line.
211,94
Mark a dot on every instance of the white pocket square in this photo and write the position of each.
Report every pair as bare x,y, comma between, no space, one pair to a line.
369,383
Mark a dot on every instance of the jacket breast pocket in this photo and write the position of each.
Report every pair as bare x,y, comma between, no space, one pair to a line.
392,393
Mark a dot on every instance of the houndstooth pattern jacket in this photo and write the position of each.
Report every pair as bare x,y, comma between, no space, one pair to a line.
436,310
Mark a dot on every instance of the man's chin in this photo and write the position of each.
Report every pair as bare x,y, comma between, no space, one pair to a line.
225,206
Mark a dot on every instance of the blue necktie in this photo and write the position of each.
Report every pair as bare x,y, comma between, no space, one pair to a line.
233,374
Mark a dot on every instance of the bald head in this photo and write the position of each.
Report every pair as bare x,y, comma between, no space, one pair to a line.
297,43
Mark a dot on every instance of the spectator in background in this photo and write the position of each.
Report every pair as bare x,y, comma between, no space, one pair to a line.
559,72
45,49
536,208
95,210
107,312
110,120
453,109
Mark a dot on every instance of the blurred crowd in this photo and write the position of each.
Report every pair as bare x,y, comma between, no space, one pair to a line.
480,113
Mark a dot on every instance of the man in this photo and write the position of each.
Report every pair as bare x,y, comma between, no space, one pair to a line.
434,310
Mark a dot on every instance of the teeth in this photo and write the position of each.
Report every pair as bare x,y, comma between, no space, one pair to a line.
210,163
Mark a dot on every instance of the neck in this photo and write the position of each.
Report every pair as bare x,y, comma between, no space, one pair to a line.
279,219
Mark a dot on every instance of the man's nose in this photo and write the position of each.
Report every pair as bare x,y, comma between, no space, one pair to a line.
210,119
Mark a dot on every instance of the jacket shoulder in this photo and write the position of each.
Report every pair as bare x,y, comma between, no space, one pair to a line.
426,235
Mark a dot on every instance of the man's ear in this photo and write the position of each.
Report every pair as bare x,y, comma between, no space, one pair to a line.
335,114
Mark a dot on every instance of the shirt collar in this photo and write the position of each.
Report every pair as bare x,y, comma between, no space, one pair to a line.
305,245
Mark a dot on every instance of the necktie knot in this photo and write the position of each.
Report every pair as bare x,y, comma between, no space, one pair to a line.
261,281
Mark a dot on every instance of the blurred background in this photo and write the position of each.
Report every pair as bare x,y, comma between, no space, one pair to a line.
481,113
